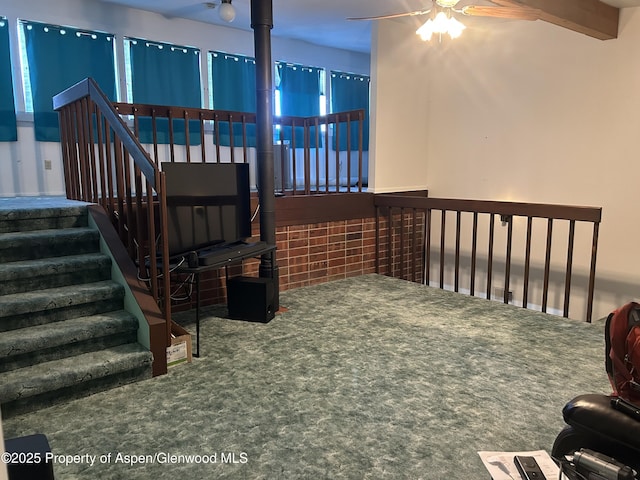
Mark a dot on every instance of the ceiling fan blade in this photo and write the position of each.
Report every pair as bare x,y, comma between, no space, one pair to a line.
392,15
518,13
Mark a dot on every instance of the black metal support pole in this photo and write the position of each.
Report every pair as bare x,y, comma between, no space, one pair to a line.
262,23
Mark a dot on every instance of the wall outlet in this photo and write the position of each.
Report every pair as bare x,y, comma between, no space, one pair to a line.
47,165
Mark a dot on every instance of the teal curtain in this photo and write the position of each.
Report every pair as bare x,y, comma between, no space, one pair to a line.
350,92
234,88
8,128
165,74
300,92
59,57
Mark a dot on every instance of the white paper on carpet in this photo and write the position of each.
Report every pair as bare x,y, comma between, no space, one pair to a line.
501,465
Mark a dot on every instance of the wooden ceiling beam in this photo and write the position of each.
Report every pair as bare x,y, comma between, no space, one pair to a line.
591,17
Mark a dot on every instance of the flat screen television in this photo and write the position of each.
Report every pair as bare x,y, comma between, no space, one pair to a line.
207,204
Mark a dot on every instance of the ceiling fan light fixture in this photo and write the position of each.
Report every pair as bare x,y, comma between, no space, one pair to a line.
227,12
440,24
455,28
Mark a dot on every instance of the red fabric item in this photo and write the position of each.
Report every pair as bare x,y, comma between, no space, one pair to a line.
624,352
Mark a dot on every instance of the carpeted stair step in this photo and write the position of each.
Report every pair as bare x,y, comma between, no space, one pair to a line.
47,383
16,220
17,246
20,310
28,275
53,341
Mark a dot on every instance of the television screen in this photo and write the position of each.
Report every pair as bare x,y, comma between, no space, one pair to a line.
207,204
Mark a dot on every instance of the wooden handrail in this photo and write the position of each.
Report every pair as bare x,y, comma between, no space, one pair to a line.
89,88
396,208
539,210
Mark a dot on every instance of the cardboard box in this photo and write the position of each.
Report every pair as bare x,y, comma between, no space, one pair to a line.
180,349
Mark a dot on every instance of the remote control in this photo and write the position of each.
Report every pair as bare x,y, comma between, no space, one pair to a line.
528,468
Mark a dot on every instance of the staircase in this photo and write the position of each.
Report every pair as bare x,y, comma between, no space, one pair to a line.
63,331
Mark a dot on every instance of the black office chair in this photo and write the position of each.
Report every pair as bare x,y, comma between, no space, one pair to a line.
593,423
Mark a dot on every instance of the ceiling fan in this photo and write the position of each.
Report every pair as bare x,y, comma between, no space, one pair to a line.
442,20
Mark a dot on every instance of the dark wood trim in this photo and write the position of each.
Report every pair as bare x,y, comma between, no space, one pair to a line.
333,207
309,209
151,311
407,193
591,17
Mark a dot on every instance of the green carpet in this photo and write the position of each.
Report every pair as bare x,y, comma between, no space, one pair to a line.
369,377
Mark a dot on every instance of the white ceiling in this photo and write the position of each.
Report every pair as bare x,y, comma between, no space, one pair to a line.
318,22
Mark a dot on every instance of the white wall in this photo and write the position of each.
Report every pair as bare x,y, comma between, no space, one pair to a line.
22,163
520,111
399,128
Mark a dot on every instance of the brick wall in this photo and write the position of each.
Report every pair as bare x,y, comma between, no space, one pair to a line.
306,255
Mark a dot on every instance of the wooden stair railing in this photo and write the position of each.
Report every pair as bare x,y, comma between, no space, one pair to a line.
105,164
404,243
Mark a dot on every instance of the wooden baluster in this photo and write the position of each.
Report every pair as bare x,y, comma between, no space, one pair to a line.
490,254
527,263
216,134
547,265
402,246
187,139
232,150
443,222
82,153
414,243
326,154
101,146
360,149
592,270
567,281
507,268
456,281
428,247
172,142
203,144
474,254
111,177
348,152
316,125
389,242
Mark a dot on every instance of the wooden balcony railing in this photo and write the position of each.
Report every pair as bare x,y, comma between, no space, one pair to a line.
309,154
412,244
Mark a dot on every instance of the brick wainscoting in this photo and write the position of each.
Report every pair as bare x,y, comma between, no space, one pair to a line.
306,255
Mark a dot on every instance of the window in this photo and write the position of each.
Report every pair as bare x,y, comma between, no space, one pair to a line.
8,128
299,93
350,92
164,74
57,58
233,87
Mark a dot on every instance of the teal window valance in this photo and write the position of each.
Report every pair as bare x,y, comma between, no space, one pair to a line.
59,57
350,92
165,74
8,127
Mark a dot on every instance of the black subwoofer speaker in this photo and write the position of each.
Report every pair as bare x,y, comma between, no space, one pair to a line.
251,299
